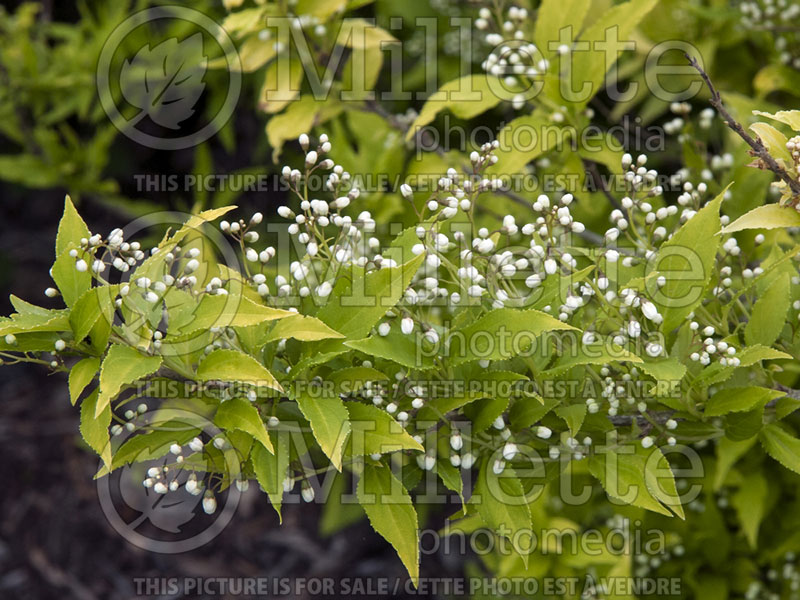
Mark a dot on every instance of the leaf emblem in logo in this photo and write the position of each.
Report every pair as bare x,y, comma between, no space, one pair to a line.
167,512
165,81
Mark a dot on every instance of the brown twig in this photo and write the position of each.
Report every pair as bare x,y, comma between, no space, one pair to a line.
758,147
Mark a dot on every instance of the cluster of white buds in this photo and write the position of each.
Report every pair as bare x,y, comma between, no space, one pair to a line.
130,419
315,273
780,581
692,199
512,58
711,348
793,146
454,192
158,479
460,455
244,232
706,118
123,256
782,19
675,126
637,219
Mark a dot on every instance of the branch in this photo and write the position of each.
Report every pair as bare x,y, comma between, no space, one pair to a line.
645,424
758,147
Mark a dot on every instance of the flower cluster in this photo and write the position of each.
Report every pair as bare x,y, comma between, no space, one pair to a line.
780,18
513,59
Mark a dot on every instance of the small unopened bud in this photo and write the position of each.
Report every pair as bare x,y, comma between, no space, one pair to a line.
209,503
307,492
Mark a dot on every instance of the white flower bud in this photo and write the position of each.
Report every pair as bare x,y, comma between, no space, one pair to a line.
209,503
307,492
407,325
509,451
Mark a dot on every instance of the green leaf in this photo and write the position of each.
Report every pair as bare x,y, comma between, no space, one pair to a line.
668,369
523,140
121,366
782,446
750,502
232,365
775,142
500,501
239,414
481,385
352,379
303,328
329,419
786,406
591,67
26,308
728,453
592,354
70,282
573,416
716,373
149,446
687,263
526,412
296,119
93,304
738,399
71,229
787,117
768,315
364,34
391,514
408,351
271,468
374,431
359,301
484,412
52,321
94,427
155,262
466,97
634,475
769,216
450,475
500,334
30,342
227,310
82,375
745,424
555,15
339,510
254,53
